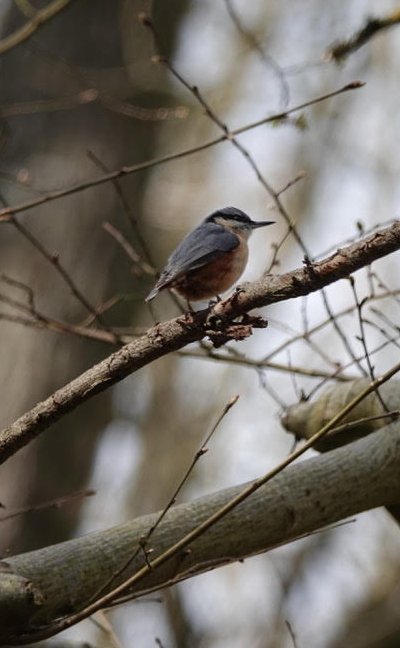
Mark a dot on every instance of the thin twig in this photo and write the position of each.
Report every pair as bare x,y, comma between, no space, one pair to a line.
144,267
379,347
40,321
291,633
385,319
54,503
259,49
54,260
101,621
15,283
128,211
363,340
290,183
145,540
38,19
262,364
135,168
318,327
346,427
37,319
342,49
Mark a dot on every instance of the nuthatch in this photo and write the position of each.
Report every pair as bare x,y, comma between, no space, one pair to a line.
210,258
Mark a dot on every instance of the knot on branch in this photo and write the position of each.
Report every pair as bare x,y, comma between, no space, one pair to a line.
221,331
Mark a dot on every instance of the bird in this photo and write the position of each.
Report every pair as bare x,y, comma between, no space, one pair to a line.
211,258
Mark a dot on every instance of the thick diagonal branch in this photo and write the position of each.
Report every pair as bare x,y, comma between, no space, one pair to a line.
177,333
44,585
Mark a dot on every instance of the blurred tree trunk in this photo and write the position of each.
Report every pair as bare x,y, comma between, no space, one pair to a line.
81,49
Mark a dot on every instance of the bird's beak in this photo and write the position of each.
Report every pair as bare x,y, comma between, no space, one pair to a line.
256,224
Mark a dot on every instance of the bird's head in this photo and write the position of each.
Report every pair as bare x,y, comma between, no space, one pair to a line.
236,220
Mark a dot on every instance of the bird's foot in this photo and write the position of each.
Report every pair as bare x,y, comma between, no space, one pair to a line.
216,300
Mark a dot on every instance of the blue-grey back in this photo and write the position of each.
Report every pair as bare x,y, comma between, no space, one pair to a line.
204,244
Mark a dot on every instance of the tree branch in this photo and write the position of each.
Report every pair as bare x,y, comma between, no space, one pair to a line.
128,170
32,25
218,322
56,581
342,49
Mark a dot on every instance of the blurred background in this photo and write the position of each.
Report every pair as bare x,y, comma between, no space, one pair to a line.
83,96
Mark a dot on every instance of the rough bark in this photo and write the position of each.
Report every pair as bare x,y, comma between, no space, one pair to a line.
44,585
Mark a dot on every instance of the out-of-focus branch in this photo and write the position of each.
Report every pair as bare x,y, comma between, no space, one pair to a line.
55,262
222,322
146,265
128,170
54,503
340,50
305,497
33,318
305,418
29,28
257,47
88,96
261,364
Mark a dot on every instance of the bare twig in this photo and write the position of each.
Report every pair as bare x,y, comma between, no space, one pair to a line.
264,56
40,321
384,318
265,384
202,450
291,633
15,283
262,364
364,340
379,347
54,260
346,427
128,170
290,183
159,643
84,97
143,266
25,7
38,19
54,503
342,49
100,620
87,96
128,213
318,327
172,500
128,109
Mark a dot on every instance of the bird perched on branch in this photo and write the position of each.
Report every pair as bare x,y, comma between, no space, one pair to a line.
210,258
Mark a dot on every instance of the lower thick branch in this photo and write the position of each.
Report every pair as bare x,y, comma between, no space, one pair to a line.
303,498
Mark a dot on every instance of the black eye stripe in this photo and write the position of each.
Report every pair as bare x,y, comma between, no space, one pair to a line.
239,219
235,221
230,214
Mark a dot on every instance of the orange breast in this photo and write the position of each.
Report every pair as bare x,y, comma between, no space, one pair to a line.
214,278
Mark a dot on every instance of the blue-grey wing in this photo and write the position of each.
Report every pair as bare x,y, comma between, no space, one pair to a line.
205,244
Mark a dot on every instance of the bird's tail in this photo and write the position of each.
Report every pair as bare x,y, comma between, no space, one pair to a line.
153,293
163,282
